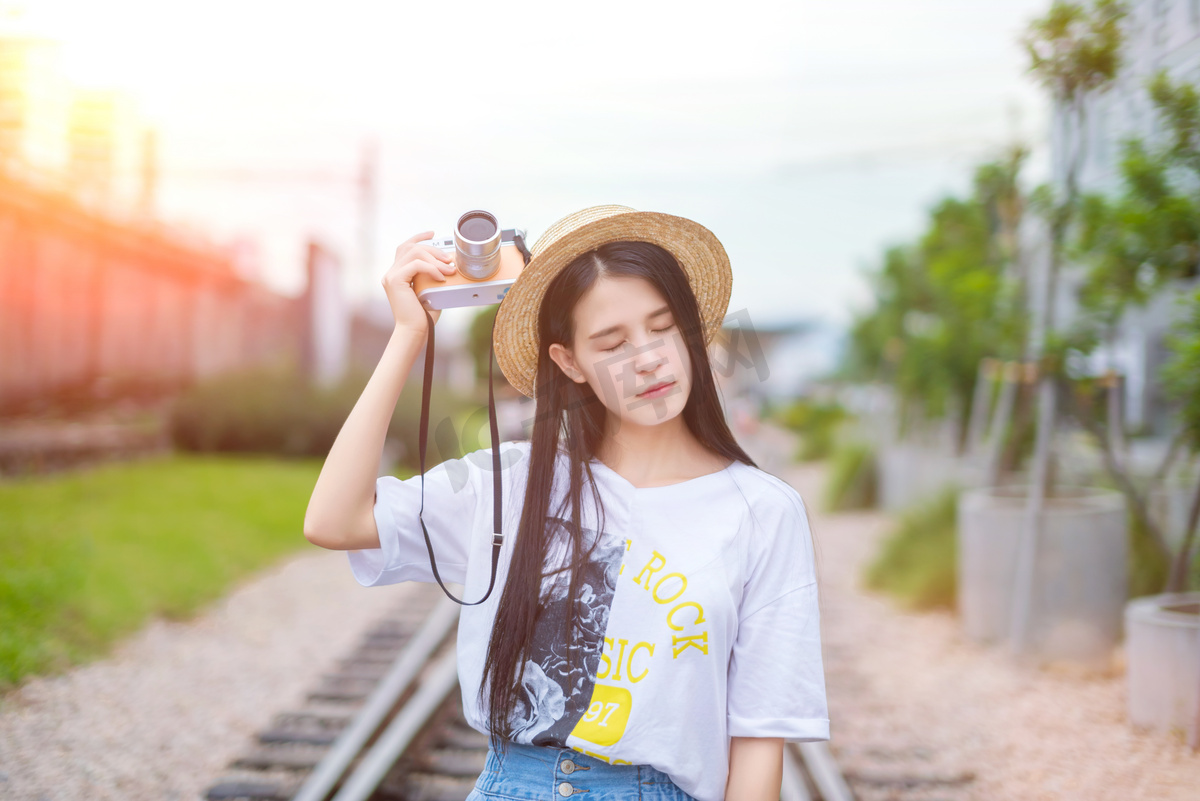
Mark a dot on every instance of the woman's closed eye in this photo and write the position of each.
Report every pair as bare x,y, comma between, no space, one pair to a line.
653,331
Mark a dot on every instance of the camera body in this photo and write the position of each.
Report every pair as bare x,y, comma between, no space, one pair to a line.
487,261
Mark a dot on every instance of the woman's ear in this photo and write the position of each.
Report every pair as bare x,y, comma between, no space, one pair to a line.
566,362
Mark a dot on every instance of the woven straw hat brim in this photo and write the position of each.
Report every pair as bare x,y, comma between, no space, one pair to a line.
697,250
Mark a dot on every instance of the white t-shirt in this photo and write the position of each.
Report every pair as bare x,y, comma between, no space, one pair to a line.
701,618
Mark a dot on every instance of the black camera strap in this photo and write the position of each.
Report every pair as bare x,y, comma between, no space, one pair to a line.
497,536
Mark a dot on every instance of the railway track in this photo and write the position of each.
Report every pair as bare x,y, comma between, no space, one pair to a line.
387,724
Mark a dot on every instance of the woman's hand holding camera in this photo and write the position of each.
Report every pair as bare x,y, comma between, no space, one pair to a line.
340,512
413,258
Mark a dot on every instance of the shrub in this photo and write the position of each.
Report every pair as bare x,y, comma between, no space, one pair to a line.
918,561
816,423
277,411
271,411
851,482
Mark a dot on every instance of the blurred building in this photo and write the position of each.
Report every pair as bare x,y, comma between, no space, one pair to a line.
106,151
1159,35
35,101
89,142
89,304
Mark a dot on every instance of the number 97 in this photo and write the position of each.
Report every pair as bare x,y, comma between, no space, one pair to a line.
598,708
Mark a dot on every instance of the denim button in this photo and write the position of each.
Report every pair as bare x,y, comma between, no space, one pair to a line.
567,766
565,789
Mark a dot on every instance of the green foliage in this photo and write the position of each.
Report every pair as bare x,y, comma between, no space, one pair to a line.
1179,106
816,423
1150,234
918,561
278,412
851,482
479,342
948,300
1181,374
88,557
1073,49
1134,246
1147,566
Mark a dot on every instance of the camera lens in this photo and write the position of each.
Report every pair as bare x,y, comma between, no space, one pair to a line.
477,241
477,228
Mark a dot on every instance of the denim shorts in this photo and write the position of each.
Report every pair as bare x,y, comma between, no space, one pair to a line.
542,773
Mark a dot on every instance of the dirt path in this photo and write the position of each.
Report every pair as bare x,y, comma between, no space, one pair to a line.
919,712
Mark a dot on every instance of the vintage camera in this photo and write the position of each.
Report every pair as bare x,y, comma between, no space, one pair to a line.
488,259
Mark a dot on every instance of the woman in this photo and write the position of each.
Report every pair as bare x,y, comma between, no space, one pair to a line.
655,637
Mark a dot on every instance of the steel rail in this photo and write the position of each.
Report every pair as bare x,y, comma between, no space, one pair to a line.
824,771
793,787
439,681
350,743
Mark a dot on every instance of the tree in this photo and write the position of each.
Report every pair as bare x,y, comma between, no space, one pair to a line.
1133,246
946,301
1181,376
1074,53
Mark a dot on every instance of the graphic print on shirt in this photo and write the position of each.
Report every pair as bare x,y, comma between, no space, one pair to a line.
626,660
555,698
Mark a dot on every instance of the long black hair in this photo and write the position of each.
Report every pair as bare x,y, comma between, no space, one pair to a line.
570,411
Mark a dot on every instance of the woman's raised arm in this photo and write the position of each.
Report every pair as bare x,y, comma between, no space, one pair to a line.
340,511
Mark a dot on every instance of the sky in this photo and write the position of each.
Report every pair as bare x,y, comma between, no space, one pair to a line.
808,136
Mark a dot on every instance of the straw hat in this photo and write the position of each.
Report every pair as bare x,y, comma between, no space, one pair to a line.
698,251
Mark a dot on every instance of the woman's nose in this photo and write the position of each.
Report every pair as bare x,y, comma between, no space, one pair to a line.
650,356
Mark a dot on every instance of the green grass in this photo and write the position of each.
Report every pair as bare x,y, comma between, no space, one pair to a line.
917,562
88,557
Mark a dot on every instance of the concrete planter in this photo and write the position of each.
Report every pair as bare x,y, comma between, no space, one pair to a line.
1079,578
1162,646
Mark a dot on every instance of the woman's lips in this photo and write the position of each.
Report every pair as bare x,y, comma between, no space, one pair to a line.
662,389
